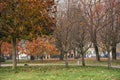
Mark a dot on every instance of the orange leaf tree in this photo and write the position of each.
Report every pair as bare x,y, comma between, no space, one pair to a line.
38,46
23,19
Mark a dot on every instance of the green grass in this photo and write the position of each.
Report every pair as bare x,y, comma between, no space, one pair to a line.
59,73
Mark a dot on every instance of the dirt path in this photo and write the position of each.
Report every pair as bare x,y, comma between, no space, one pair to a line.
49,64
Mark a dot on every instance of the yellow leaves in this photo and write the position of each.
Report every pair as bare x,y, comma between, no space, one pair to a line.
24,16
38,28
21,28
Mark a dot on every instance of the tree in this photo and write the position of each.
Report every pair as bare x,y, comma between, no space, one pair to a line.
82,41
82,38
66,25
50,47
114,15
109,35
5,49
37,47
23,20
58,16
106,39
94,14
80,31
63,35
64,32
2,38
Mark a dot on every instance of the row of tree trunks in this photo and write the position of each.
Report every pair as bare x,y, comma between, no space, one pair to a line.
114,56
66,59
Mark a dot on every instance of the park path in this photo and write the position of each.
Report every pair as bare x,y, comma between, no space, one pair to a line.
29,64
48,64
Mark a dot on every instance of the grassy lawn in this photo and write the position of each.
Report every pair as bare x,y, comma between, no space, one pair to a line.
59,73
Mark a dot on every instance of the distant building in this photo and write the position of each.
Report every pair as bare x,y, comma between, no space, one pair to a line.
23,56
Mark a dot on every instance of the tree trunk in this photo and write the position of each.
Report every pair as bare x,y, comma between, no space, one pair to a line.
109,63
83,60
94,40
14,53
114,53
78,62
74,51
42,57
0,51
61,55
97,52
66,62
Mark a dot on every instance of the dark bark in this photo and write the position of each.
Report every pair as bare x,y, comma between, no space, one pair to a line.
114,53
32,57
83,60
61,55
66,62
42,58
14,53
97,52
94,40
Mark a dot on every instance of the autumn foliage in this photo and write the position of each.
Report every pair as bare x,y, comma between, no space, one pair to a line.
24,19
39,46
6,48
